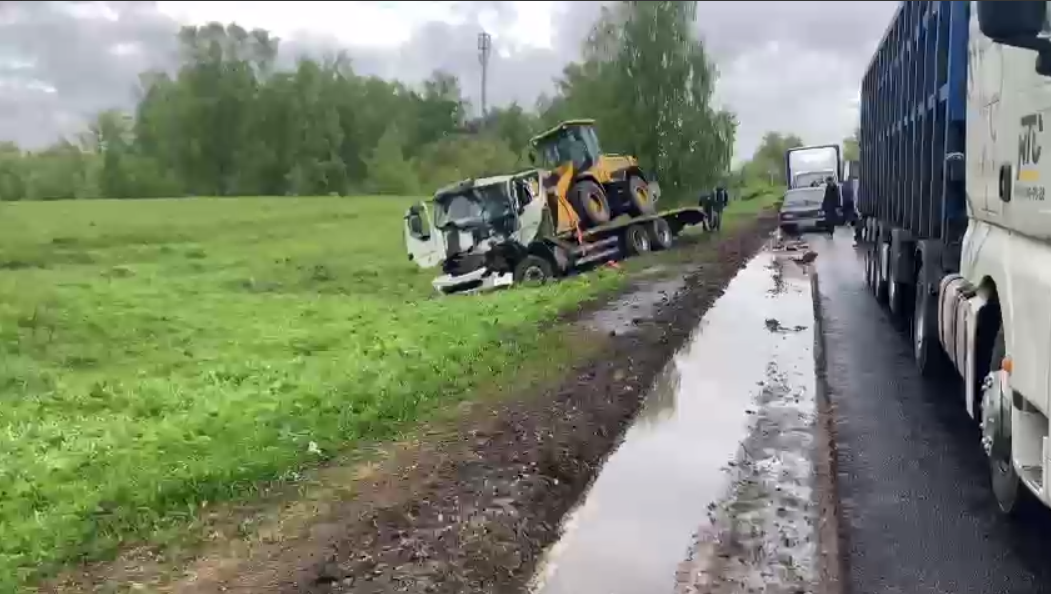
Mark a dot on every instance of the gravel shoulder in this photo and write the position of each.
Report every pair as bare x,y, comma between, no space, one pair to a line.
468,504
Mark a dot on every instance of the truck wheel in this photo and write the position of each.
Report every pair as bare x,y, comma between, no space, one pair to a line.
533,271
870,278
897,297
1012,497
926,349
881,288
639,197
661,237
636,240
590,203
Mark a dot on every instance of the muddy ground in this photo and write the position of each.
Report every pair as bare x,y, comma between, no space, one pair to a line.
473,510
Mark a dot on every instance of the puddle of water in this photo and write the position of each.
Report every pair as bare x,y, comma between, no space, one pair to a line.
642,303
637,523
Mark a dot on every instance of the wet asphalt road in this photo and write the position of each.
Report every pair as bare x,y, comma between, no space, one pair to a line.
919,515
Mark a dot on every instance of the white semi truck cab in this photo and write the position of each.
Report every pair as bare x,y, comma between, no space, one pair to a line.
956,225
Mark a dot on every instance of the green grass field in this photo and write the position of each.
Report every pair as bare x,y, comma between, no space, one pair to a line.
158,355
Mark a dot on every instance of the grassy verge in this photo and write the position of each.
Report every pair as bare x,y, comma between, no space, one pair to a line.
159,356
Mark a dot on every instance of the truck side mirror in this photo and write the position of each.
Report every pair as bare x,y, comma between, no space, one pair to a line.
1016,23
415,221
955,167
532,157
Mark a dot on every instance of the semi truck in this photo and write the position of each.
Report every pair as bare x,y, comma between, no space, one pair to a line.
956,229
520,228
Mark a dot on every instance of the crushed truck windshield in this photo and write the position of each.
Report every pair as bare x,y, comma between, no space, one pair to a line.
474,207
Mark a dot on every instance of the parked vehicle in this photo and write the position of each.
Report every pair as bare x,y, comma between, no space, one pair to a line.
801,209
811,166
956,229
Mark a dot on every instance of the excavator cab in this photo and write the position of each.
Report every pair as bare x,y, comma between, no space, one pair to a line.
591,187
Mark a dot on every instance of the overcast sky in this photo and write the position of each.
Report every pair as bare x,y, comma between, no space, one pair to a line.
787,66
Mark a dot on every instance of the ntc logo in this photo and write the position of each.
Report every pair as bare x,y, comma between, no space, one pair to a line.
1029,140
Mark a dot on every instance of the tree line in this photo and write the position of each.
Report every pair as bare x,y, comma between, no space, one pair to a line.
229,122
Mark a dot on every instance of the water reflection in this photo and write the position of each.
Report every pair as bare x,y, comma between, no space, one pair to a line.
636,523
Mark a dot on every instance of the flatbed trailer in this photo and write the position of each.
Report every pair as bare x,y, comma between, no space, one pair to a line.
550,256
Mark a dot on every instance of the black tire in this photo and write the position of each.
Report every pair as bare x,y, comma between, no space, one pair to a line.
636,240
926,348
639,198
1012,497
880,288
870,278
898,298
661,236
533,271
590,203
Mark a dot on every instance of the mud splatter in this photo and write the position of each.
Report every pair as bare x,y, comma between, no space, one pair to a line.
640,303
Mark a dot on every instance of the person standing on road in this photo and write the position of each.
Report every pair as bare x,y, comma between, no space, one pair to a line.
722,198
830,204
850,214
707,204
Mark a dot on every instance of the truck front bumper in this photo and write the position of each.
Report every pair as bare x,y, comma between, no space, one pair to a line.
475,281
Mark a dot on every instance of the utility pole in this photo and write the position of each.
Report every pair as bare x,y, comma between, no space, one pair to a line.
485,45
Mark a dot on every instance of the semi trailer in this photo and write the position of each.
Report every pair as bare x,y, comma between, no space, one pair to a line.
956,229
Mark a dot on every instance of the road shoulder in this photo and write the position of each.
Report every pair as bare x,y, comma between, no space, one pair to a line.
832,564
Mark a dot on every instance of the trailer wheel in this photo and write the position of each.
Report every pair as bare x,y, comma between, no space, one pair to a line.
926,349
897,298
533,271
1012,497
870,279
661,235
639,196
636,240
590,203
882,252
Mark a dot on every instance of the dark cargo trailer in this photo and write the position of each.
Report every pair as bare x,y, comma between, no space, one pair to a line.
911,194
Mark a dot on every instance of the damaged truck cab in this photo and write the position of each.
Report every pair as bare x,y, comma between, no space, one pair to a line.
478,231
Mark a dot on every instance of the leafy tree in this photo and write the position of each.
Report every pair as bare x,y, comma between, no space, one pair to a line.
389,171
12,172
229,122
649,82
768,161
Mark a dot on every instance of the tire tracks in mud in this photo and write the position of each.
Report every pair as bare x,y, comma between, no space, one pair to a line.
472,511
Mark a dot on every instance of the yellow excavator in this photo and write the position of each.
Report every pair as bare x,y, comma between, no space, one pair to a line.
591,188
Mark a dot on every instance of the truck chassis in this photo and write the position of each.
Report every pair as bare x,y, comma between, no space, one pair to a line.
550,257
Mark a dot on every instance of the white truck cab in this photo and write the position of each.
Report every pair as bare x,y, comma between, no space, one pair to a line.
994,317
467,226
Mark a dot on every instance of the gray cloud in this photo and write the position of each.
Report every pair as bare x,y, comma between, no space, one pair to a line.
76,59
790,66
